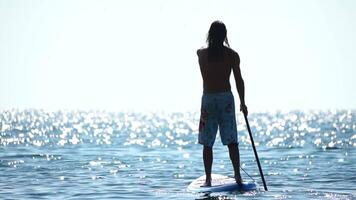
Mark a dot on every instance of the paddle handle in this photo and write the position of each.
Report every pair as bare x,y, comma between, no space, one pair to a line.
255,151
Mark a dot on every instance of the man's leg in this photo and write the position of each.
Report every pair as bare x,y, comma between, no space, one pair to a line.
208,162
235,159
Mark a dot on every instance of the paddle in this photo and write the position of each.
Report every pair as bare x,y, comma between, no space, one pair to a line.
255,151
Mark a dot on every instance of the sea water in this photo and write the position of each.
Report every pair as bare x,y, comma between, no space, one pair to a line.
121,155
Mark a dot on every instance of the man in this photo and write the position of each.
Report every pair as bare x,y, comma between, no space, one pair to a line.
218,107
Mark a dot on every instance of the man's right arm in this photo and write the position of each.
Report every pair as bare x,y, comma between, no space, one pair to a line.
240,85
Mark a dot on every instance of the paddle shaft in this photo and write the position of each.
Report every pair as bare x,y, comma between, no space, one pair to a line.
255,151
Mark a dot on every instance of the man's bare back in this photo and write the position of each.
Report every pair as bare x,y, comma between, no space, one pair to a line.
216,75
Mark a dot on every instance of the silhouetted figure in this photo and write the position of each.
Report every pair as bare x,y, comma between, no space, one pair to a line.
218,107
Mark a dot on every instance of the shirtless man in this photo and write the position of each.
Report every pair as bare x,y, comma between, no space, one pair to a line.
218,107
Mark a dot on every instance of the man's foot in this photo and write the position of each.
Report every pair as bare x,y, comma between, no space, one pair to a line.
238,179
207,183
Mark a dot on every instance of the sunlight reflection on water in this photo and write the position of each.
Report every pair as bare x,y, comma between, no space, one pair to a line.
115,154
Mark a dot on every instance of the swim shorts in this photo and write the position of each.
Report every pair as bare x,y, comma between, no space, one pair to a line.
217,110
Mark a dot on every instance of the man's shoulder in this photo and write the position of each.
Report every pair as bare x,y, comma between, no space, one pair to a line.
201,51
234,55
232,51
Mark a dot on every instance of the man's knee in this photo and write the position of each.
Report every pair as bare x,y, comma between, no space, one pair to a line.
233,145
207,148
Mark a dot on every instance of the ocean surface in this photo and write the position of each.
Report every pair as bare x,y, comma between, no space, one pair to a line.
116,155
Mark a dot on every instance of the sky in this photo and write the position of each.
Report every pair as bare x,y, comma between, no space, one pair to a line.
140,55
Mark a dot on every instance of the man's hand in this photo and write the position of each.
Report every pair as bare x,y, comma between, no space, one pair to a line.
244,110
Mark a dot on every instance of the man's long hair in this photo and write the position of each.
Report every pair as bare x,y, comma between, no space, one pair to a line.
216,39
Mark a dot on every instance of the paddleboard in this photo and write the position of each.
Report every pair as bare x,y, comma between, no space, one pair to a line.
220,183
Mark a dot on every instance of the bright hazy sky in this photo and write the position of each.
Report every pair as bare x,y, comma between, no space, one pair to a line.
141,55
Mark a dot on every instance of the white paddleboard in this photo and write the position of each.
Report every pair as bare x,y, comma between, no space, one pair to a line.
220,183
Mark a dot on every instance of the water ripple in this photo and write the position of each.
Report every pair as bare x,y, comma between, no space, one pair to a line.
100,154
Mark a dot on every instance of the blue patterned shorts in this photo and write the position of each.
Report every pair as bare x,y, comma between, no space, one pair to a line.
217,110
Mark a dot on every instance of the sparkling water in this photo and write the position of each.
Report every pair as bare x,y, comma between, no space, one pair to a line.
113,155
